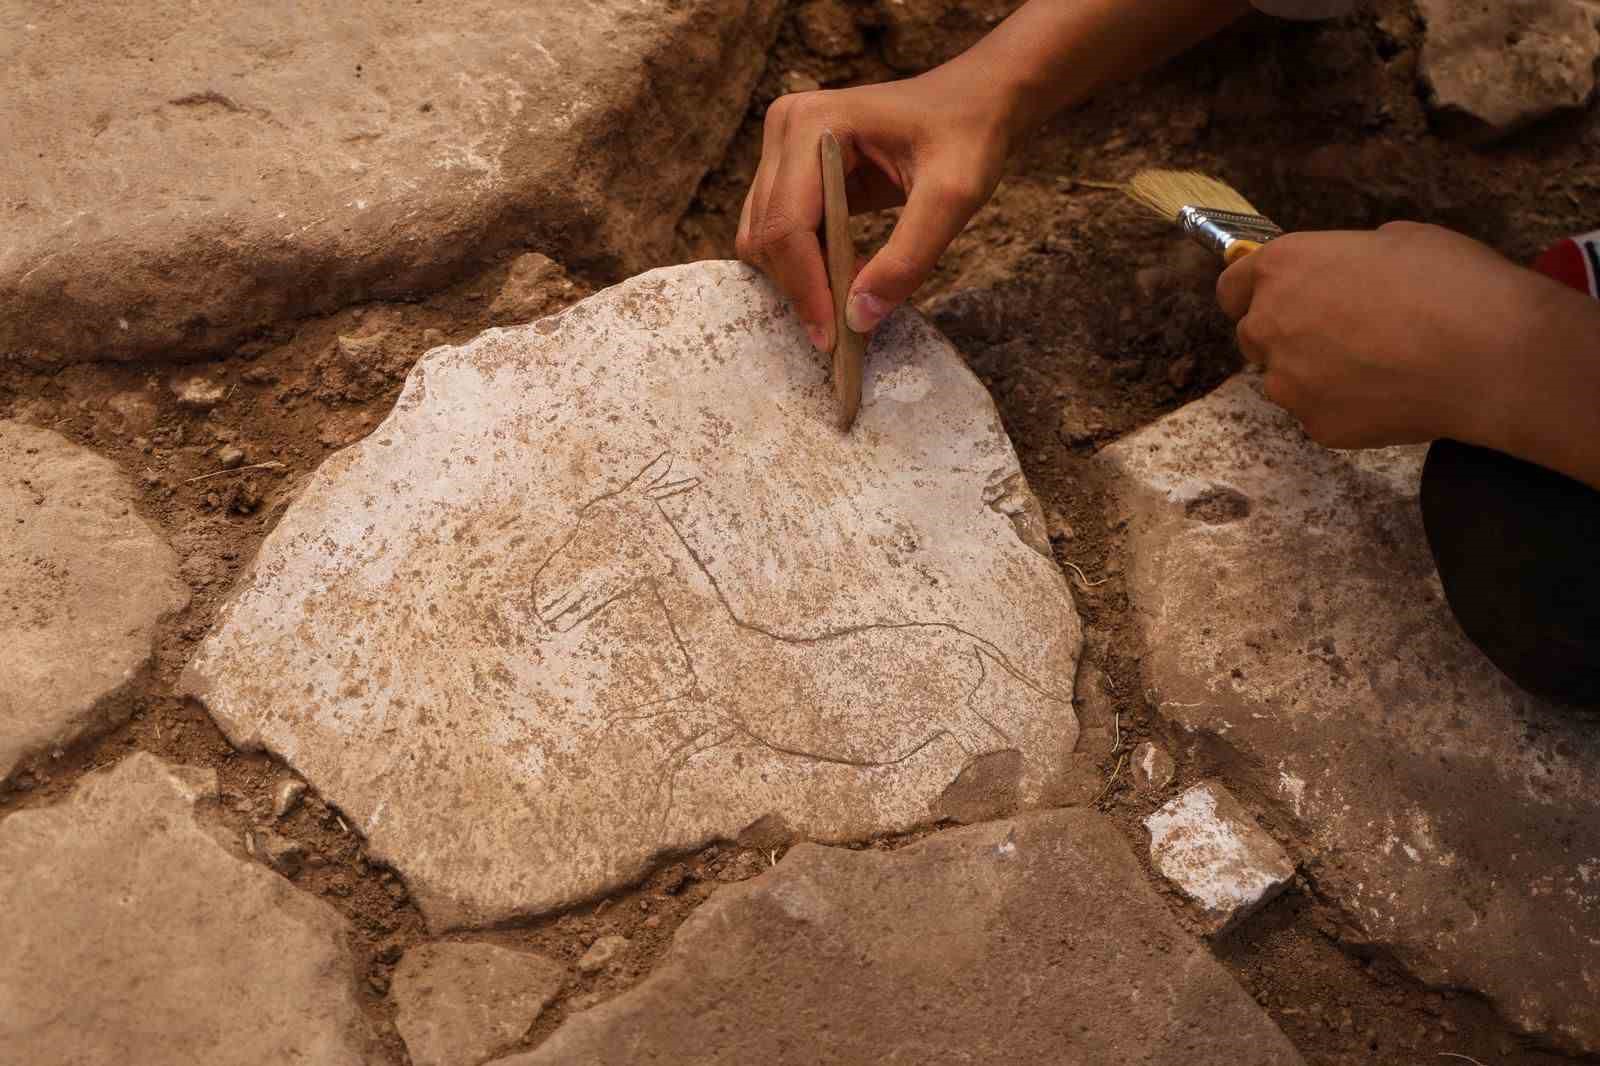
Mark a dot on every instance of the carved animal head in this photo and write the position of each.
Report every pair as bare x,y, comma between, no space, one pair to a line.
613,548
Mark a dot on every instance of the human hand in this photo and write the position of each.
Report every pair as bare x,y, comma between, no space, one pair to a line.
1398,335
928,142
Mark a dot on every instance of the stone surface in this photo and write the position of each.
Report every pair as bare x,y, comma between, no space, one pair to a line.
1029,940
1505,63
919,34
83,582
1153,768
611,584
461,1003
829,28
130,935
601,952
179,174
1292,617
1204,842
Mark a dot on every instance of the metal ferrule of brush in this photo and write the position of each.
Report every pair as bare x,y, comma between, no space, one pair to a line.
1221,230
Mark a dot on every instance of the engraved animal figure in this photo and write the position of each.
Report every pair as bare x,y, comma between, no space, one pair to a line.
865,695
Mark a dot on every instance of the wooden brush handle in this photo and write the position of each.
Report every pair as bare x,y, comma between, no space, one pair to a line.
1238,250
849,347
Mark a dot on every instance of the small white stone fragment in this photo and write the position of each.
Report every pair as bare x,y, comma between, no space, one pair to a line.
199,392
1153,768
601,952
1205,843
286,796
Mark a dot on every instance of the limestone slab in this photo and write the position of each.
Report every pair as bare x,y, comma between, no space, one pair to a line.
460,1003
610,584
1034,939
1292,614
131,935
83,582
1205,842
179,174
1506,63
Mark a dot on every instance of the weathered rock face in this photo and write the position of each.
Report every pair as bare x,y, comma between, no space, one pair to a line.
460,1003
83,582
1505,63
1030,940
130,935
1291,612
920,34
611,583
177,174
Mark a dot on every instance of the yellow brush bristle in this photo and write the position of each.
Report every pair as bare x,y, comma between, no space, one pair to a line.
1166,192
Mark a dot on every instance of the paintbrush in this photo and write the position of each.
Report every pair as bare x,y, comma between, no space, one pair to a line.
1210,211
849,347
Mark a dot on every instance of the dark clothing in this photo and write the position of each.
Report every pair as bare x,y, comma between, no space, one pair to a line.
1518,552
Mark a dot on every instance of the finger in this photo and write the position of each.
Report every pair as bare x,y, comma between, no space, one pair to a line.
741,241
760,196
1254,351
788,240
935,213
1236,287
773,131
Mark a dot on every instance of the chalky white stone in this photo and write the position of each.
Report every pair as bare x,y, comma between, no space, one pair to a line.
611,584
1204,842
83,582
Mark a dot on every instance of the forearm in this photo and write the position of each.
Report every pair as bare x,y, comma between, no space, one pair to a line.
1051,54
1550,414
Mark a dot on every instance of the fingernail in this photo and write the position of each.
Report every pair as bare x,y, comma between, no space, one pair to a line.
818,335
864,312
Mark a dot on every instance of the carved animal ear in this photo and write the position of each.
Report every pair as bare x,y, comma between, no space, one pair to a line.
672,488
652,474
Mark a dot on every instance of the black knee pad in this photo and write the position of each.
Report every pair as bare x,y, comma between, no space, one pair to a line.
1518,552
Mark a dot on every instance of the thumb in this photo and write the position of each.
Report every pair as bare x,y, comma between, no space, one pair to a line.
935,213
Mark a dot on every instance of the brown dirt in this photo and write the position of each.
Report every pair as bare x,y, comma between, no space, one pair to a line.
1084,319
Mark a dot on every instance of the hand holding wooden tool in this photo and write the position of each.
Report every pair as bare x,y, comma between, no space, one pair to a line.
849,347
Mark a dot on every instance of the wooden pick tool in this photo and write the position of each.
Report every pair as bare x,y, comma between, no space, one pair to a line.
849,347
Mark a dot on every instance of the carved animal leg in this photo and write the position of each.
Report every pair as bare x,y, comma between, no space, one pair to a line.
970,725
679,759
